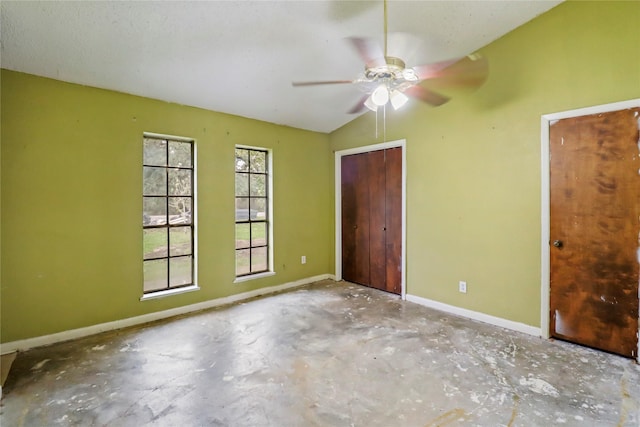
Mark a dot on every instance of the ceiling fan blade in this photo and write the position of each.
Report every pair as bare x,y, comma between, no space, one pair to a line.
321,82
470,71
426,95
430,71
359,106
369,51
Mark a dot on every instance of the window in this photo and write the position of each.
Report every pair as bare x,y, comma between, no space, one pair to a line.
167,218
253,214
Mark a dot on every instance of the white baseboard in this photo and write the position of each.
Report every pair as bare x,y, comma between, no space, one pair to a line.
475,315
22,345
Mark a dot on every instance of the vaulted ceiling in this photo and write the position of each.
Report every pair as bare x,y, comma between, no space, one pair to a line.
240,57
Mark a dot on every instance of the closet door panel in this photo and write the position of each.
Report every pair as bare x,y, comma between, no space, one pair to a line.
355,219
377,218
393,214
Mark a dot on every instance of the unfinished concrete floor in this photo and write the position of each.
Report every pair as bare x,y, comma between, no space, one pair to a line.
328,354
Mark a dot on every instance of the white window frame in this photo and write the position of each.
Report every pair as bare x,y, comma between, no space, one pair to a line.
194,220
270,196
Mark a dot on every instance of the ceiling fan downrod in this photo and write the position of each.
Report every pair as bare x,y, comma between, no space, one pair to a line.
385,30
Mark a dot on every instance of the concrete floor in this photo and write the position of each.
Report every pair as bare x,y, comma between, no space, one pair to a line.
323,355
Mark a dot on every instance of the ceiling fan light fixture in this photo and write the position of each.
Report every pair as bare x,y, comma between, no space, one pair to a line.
380,96
370,105
398,99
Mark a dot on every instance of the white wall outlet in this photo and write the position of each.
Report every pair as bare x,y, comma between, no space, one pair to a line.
462,287
303,259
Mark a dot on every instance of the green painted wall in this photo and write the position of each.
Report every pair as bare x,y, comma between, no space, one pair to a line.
473,165
72,205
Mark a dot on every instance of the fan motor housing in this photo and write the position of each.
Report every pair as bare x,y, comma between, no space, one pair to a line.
392,69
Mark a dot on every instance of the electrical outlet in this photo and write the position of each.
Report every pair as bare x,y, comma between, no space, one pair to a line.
462,287
303,259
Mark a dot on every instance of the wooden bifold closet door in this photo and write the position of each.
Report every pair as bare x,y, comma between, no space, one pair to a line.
372,219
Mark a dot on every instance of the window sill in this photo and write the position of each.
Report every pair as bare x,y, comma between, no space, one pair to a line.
169,292
254,276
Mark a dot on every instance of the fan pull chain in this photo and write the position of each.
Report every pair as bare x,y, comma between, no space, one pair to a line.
384,123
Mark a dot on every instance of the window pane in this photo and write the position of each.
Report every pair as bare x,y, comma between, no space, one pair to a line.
242,236
242,160
258,161
242,208
258,234
180,271
259,207
155,243
258,259
179,182
155,152
154,181
180,241
242,262
242,184
180,154
246,214
155,275
242,203
180,210
154,211
258,185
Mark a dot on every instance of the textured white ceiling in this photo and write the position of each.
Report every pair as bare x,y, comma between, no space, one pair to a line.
240,57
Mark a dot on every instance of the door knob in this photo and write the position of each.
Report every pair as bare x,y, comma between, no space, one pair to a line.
557,243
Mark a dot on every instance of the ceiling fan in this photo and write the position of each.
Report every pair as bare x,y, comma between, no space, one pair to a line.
387,79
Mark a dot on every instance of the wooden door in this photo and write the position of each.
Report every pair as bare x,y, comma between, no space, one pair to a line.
393,217
594,230
372,219
377,219
355,219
